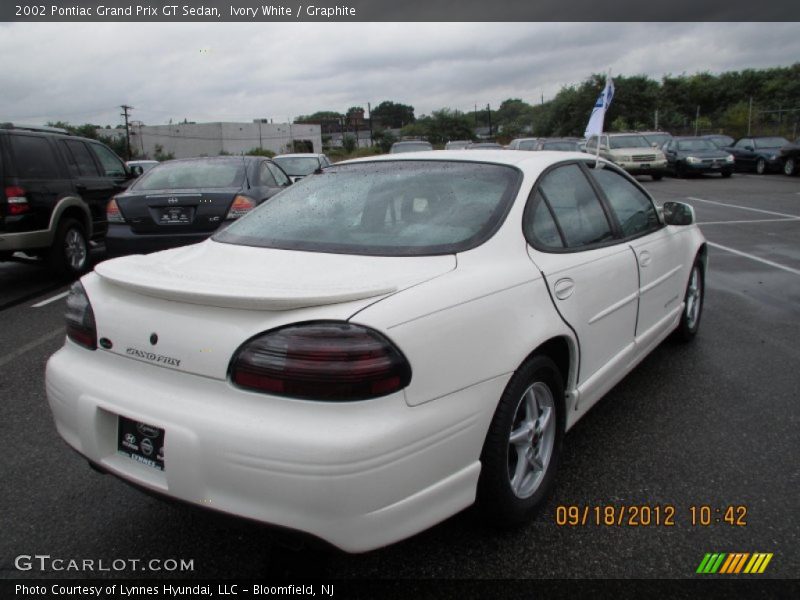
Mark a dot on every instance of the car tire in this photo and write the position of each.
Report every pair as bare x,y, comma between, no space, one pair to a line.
657,177
69,254
522,448
693,304
790,166
680,170
761,166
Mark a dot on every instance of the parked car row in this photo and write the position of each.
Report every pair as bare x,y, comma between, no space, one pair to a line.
61,193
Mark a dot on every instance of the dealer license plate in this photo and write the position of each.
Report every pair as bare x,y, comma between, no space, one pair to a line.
141,442
175,215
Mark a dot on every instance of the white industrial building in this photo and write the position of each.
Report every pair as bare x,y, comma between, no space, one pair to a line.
185,140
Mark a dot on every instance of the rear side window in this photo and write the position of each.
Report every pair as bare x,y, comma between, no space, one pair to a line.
279,175
79,160
34,157
112,165
575,207
541,226
634,210
265,176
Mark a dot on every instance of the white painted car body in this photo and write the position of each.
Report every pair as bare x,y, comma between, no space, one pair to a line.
362,474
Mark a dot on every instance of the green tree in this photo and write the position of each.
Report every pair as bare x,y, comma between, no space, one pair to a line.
392,114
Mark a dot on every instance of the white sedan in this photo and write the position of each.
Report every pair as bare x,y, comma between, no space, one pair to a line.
380,345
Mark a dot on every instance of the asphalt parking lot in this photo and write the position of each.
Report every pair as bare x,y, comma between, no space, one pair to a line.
710,424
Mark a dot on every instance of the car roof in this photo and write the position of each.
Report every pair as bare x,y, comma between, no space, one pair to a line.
527,161
299,155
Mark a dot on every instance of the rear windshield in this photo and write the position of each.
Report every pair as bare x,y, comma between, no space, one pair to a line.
629,141
298,165
411,147
696,145
177,175
384,208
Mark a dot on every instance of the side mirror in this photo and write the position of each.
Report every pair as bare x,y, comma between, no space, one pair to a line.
678,213
136,170
749,148
603,147
654,145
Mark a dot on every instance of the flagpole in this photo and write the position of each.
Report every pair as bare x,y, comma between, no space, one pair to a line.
600,135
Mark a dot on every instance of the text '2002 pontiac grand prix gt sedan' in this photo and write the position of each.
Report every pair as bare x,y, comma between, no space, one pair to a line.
381,345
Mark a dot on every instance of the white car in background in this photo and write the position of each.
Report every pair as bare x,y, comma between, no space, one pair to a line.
299,165
371,352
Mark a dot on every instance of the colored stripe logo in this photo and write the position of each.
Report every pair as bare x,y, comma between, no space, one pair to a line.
734,563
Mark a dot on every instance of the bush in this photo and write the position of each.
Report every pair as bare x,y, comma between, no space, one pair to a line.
260,152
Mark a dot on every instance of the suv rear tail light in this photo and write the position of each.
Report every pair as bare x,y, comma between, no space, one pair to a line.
113,213
241,206
81,328
17,201
321,360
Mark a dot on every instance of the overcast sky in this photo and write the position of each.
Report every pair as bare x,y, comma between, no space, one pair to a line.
83,72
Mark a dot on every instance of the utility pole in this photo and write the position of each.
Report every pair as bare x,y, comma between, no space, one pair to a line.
489,112
749,116
125,108
369,109
696,119
656,125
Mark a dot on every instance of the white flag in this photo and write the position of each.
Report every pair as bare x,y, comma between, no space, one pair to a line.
595,126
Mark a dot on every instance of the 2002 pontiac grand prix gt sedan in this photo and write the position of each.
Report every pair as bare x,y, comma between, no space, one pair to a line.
380,345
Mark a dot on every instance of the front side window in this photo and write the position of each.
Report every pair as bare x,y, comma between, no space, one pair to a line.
112,165
280,176
383,208
633,208
575,206
744,143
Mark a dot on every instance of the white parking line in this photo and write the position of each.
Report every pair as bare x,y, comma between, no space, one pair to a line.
7,358
49,300
760,210
756,258
749,221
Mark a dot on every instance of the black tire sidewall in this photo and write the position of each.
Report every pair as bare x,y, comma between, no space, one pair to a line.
57,258
684,332
497,502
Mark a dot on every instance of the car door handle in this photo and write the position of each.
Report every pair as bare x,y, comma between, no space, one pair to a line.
563,288
645,258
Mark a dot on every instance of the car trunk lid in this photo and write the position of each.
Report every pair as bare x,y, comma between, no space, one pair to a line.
178,211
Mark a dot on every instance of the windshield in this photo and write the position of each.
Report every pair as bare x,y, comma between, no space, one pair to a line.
657,138
298,165
193,174
383,208
772,142
411,147
628,141
696,145
562,146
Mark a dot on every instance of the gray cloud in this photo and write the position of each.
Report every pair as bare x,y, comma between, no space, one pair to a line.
82,72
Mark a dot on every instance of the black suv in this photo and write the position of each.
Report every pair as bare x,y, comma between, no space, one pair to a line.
54,188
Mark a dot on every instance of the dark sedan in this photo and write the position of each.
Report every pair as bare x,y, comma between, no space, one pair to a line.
688,155
759,154
181,202
790,155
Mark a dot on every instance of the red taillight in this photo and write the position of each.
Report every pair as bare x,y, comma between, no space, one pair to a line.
113,214
240,206
321,361
81,328
17,201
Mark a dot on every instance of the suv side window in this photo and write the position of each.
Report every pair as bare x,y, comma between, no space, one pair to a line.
576,208
34,157
112,165
79,160
633,208
279,175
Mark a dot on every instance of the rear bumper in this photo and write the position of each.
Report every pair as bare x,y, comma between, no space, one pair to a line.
358,475
121,240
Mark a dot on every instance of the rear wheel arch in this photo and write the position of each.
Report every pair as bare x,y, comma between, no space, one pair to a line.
72,207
